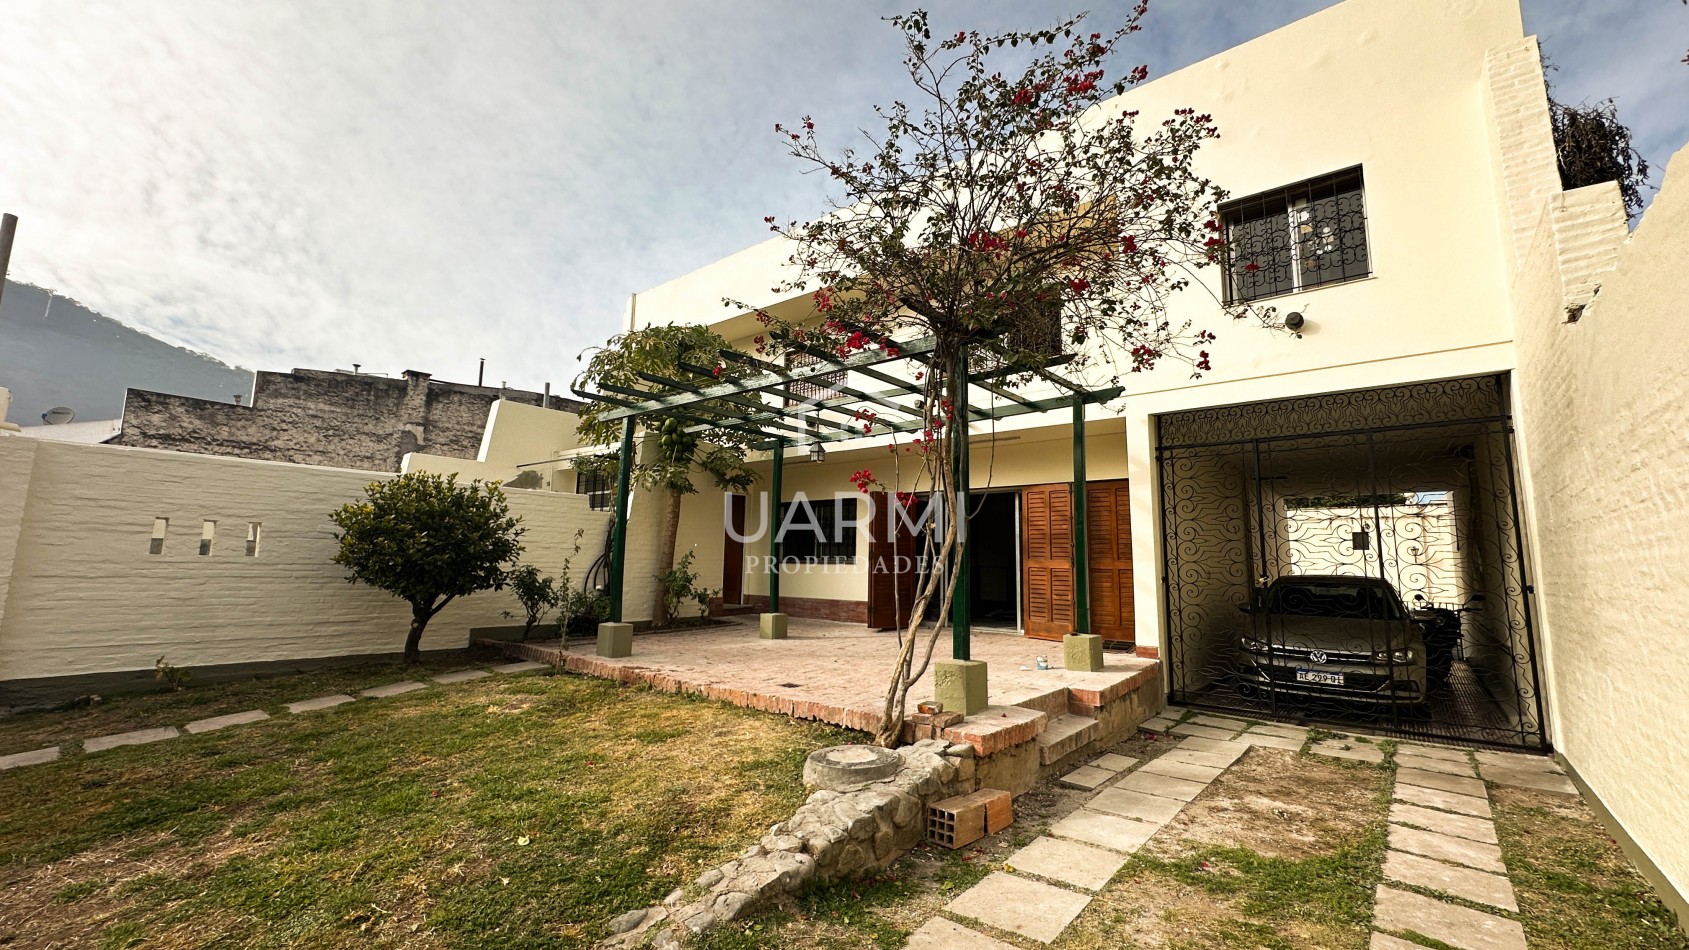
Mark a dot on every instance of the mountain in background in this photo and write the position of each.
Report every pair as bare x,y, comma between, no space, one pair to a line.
56,352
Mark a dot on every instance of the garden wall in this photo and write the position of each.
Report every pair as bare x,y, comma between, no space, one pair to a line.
1602,351
81,595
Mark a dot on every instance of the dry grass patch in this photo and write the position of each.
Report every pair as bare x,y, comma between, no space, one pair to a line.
1576,888
510,811
1282,852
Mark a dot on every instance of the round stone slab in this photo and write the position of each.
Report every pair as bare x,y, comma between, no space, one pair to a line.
846,766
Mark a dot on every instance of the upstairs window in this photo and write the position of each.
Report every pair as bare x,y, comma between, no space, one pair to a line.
1296,238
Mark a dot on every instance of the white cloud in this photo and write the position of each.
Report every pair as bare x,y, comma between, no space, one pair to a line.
418,184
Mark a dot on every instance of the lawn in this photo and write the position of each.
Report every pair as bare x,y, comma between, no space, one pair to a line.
512,811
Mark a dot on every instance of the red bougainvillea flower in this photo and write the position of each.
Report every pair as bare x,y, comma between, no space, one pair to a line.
1079,285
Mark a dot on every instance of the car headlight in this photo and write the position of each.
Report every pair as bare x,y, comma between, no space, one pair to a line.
1252,645
1394,656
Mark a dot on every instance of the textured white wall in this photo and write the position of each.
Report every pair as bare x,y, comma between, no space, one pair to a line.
80,594
1602,411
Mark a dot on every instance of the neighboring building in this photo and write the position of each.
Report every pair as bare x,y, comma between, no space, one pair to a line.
323,417
92,432
1437,406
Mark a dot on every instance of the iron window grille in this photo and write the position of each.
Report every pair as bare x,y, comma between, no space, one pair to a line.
599,487
812,389
1296,238
826,542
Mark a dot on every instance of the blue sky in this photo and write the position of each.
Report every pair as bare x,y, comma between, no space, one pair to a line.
418,183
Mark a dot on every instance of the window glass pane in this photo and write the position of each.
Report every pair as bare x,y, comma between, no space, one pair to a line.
1297,237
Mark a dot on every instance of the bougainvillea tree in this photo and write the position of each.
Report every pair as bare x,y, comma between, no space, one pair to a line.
1010,207
643,363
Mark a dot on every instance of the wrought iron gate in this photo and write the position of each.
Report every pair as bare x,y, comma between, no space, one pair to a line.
1354,559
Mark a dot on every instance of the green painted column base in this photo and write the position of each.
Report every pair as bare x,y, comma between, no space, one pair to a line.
615,640
773,627
959,685
1082,652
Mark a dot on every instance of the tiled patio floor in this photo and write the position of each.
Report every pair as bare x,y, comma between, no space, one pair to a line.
832,672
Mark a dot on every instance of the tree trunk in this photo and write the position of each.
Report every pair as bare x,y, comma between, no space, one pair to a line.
665,558
413,642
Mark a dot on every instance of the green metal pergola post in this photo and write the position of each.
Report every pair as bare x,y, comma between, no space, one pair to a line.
960,613
774,526
1081,543
619,536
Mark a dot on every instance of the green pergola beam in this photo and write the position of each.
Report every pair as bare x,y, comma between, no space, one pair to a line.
1032,407
768,381
1081,537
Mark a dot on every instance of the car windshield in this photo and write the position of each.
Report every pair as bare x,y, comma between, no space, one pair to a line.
1348,601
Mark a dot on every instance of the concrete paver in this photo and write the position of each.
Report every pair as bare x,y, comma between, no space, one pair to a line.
1020,905
1215,746
1113,762
1278,729
1539,779
1087,778
1434,752
1133,804
223,722
1539,763
1447,801
941,934
1213,760
1125,835
1157,724
392,689
35,757
321,702
1177,768
521,667
1220,722
1457,926
1479,887
1458,784
1430,764
1070,862
1269,741
1385,942
1442,822
1473,854
1165,786
138,737
1202,732
1344,749
461,676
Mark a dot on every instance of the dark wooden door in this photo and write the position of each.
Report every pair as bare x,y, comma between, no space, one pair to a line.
892,575
1108,530
733,554
1047,560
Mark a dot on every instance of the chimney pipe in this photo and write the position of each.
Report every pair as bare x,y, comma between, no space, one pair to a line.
8,228
481,374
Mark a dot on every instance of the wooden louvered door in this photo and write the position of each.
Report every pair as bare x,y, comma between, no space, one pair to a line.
1108,530
892,575
1047,560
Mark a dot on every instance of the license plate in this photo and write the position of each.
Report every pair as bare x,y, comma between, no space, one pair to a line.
1317,676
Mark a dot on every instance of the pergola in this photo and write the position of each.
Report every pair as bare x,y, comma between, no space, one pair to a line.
740,405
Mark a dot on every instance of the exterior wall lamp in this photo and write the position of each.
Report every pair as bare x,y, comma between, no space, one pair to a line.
817,452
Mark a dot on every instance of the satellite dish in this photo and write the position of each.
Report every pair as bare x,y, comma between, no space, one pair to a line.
58,415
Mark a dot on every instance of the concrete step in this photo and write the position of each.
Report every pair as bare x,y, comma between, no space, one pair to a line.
1051,702
1065,735
733,610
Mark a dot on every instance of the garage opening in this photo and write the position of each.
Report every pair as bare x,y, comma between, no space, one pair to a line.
1353,559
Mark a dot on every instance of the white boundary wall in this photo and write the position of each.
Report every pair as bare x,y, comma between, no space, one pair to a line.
80,594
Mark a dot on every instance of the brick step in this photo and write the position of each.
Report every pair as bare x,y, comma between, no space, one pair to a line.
1064,735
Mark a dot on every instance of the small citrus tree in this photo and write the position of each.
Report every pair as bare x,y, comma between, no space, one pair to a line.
428,540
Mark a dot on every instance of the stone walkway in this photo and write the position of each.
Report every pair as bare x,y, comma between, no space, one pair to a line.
159,734
1444,877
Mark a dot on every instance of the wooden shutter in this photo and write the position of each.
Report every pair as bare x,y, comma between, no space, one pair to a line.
892,549
1108,529
1047,553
